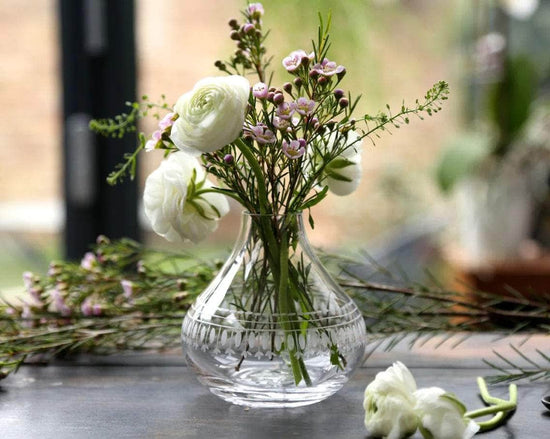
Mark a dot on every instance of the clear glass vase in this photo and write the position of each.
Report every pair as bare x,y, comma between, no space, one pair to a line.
273,329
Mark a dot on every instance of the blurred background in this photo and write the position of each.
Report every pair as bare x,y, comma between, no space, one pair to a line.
462,194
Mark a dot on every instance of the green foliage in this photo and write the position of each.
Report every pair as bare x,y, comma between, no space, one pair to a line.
463,156
510,100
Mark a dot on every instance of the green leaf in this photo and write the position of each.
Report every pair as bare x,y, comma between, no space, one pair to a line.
461,158
339,163
510,99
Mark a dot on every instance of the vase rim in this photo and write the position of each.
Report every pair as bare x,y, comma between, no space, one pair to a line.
271,215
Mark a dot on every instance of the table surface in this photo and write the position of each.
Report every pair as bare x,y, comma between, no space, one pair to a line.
157,396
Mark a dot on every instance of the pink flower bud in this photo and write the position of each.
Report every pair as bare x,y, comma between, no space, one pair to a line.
278,98
260,90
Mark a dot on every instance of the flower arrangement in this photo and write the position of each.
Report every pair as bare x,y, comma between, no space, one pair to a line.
277,151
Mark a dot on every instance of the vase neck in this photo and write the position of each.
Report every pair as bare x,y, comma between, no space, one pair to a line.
272,226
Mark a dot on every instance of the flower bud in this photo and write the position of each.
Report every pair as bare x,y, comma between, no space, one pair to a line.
338,93
234,35
322,80
287,86
229,159
278,98
270,96
102,239
313,74
182,295
233,24
248,28
298,82
343,103
220,65
341,74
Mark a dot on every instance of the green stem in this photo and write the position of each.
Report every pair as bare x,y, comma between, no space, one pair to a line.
500,407
262,192
286,308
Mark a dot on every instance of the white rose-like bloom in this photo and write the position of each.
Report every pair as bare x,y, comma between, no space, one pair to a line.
172,215
441,415
389,403
520,9
343,174
211,115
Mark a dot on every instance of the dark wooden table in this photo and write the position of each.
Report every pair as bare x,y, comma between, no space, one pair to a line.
157,396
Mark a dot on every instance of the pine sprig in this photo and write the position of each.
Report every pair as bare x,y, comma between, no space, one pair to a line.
512,370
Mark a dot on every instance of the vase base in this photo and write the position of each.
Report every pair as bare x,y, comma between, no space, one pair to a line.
272,398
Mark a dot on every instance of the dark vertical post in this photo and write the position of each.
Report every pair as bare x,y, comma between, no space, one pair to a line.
99,76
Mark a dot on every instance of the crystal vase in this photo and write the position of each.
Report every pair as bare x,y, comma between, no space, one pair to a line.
273,329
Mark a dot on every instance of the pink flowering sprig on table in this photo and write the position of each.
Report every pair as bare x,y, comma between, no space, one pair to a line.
120,296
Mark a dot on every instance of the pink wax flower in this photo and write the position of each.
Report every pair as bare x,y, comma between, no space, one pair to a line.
35,294
27,312
261,134
260,90
86,307
28,280
127,287
281,124
328,68
59,303
285,110
89,261
294,60
256,10
295,149
155,139
167,121
248,27
96,309
305,106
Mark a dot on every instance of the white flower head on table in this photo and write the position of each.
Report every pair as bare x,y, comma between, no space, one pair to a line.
441,415
395,408
389,403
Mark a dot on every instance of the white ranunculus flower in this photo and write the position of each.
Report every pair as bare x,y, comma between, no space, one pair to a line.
520,9
172,214
211,115
441,415
343,174
389,403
